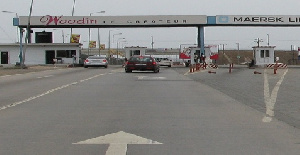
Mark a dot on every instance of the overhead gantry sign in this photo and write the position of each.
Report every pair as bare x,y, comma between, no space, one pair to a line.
199,21
113,21
258,20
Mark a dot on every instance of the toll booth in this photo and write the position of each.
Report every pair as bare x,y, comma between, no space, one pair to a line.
131,51
263,55
195,55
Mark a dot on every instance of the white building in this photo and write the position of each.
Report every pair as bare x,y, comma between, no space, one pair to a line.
264,55
41,53
131,51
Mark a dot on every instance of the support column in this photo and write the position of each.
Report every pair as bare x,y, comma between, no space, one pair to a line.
201,39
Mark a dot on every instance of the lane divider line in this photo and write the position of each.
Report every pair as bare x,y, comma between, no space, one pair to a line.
47,92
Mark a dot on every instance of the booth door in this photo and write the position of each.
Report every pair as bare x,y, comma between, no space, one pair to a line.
4,57
50,55
265,57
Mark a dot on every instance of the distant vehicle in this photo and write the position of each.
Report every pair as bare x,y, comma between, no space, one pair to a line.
164,61
141,63
95,61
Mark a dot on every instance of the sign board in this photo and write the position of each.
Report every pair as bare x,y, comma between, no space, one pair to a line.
75,38
81,21
92,44
211,51
258,19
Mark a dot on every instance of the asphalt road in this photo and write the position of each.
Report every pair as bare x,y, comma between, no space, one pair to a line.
106,111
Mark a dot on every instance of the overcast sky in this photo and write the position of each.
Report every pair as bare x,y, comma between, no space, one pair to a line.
281,37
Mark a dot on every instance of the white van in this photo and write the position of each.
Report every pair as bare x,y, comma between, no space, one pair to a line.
164,61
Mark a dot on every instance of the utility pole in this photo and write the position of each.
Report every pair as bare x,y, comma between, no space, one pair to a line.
258,41
268,39
152,43
238,56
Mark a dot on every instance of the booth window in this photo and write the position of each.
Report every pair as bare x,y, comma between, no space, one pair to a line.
135,52
267,53
262,53
65,53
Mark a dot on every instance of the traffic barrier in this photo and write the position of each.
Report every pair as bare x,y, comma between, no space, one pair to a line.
213,66
279,66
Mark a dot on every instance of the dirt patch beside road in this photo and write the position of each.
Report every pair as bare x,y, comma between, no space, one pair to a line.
37,68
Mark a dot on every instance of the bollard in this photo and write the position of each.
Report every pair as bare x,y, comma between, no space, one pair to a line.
275,68
191,68
194,67
197,67
204,65
230,67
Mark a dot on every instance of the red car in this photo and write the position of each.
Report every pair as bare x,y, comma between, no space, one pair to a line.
141,63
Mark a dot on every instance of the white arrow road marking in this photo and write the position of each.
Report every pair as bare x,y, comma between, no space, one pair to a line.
270,99
118,142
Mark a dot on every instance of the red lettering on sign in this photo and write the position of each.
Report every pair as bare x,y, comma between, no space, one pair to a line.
58,20
49,19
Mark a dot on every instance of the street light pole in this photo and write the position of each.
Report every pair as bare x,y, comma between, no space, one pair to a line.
22,57
118,47
18,39
109,42
89,39
90,34
114,37
73,10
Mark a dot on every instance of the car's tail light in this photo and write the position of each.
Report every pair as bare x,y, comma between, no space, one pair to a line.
86,60
153,63
104,60
129,63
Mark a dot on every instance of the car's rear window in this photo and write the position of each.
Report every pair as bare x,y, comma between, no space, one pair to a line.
96,57
141,59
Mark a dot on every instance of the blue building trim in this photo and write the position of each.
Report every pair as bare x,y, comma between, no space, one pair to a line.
211,20
15,21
